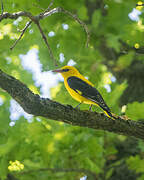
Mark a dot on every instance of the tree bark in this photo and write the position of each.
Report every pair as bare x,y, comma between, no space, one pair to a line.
44,107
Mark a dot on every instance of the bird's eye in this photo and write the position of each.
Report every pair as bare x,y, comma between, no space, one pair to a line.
65,70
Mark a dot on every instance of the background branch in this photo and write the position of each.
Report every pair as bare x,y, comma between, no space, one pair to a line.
90,174
36,20
80,22
34,104
22,33
46,41
44,15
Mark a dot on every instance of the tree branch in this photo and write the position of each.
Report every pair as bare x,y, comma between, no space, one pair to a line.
7,15
22,33
45,39
34,104
89,173
45,14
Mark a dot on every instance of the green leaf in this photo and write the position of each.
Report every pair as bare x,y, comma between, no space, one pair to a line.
135,110
136,163
3,167
113,42
114,96
93,167
7,147
109,173
141,145
96,19
125,60
82,13
110,150
141,177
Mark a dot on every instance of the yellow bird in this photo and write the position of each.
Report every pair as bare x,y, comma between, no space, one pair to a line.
81,89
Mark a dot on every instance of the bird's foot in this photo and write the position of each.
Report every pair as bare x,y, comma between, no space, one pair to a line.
78,106
90,108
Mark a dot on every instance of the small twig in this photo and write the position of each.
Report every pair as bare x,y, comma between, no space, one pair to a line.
58,10
23,31
50,12
46,41
2,7
80,22
44,10
26,26
37,6
51,3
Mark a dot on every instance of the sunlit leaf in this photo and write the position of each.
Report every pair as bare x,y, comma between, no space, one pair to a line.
135,110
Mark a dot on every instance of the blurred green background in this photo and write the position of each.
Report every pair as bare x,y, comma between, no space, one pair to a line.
114,62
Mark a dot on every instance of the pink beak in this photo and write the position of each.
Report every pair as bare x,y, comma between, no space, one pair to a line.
58,70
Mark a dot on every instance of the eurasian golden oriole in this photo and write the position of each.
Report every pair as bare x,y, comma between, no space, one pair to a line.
81,89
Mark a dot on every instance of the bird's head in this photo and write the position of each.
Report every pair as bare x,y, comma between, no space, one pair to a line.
67,71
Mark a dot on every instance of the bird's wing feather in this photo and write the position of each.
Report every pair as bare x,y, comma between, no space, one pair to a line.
87,91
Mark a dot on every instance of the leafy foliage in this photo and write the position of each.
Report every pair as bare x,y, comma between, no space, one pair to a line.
135,110
116,46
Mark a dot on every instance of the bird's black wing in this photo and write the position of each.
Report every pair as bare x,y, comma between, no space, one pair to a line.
87,91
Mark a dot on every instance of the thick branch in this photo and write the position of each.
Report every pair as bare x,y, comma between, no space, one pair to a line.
7,15
34,104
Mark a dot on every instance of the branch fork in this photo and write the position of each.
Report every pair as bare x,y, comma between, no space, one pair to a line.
36,19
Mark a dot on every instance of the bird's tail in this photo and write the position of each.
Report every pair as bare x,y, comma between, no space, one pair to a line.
109,114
